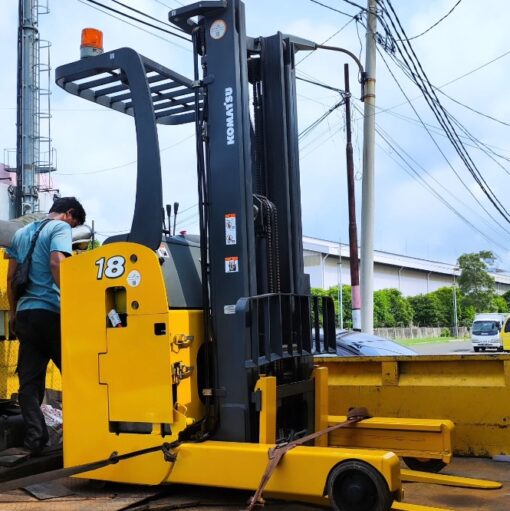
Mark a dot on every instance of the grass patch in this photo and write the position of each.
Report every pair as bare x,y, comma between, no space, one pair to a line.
427,340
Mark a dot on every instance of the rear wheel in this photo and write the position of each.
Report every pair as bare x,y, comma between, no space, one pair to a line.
483,349
500,348
424,464
357,486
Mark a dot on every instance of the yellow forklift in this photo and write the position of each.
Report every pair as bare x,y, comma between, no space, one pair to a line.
192,361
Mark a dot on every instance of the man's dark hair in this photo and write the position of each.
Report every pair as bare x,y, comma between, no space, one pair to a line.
71,204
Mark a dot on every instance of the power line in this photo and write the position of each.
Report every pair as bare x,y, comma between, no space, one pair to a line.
354,4
329,38
421,80
108,169
472,109
332,8
321,119
319,84
415,174
84,2
138,20
146,15
437,22
438,146
452,195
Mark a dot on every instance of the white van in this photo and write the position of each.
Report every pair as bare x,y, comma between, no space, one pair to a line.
485,331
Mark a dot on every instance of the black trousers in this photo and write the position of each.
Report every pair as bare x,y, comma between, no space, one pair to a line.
38,331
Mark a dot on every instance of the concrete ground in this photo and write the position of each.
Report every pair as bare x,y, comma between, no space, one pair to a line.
85,495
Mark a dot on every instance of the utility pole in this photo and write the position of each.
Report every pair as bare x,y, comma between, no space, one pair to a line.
340,288
353,229
367,195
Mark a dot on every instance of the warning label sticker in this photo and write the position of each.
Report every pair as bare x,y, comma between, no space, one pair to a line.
163,251
230,229
231,264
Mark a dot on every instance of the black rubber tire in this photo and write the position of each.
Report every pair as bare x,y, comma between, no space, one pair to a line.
424,465
354,485
483,349
476,349
500,348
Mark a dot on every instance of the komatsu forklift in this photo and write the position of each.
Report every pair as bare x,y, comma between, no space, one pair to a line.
206,349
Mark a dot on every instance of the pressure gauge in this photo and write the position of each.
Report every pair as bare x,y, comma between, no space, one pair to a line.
218,29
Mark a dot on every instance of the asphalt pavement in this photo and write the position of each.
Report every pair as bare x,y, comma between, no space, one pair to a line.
456,347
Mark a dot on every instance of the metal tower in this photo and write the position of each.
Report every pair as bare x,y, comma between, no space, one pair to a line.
34,153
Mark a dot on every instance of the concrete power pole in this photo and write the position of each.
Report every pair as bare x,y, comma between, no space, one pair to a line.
367,192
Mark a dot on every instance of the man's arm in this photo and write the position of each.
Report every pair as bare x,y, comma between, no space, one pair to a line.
56,258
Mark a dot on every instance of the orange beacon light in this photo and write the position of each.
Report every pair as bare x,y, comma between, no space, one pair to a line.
91,42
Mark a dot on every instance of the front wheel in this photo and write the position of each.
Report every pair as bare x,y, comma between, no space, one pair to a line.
424,464
354,485
477,349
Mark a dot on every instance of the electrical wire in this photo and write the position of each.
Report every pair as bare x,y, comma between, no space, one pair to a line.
421,80
354,4
453,196
329,38
438,146
116,167
147,15
437,22
411,171
85,2
321,119
331,8
138,20
471,108
319,84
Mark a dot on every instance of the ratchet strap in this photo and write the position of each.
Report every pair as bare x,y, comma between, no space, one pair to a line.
277,453
79,469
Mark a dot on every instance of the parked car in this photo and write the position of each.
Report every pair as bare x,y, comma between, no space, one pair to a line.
350,343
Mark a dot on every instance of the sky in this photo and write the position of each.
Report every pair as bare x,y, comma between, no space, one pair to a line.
96,146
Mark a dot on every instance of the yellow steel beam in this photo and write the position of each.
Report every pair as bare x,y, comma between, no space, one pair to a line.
303,470
447,480
405,506
424,387
321,404
324,502
267,417
417,438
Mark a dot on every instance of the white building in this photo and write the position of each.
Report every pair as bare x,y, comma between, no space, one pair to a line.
412,276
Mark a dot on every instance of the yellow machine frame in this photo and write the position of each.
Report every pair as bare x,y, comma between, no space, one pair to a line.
144,373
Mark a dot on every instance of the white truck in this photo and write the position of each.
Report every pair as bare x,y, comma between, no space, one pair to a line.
485,331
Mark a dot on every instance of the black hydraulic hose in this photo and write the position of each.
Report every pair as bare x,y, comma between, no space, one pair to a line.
203,208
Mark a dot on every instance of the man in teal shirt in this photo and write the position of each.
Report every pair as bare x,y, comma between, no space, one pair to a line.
35,317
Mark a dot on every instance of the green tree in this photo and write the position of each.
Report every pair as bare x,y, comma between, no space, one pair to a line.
425,309
391,308
477,286
499,304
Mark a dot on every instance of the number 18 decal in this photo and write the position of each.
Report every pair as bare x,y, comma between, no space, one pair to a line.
111,268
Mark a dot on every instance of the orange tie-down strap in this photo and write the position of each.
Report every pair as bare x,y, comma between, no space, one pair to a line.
277,453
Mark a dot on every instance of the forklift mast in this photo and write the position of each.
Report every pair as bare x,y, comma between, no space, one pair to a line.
259,294
258,312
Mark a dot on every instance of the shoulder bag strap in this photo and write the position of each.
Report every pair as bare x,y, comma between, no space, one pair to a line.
34,240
